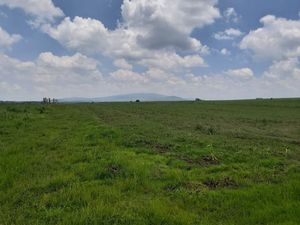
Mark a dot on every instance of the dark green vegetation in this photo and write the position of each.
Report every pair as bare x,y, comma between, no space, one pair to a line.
202,163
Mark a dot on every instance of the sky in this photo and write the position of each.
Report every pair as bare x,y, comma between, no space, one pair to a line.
208,49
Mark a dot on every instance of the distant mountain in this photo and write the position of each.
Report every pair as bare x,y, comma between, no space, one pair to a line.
144,97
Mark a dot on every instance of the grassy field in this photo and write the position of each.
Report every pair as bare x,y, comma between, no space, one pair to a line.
201,163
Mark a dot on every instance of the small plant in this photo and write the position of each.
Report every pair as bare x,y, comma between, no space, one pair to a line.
209,130
42,110
13,109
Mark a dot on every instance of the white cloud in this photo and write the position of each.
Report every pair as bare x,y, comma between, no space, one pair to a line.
244,73
172,61
85,35
90,36
123,64
231,15
128,76
151,77
228,34
75,62
278,38
66,69
185,15
3,14
6,39
150,30
284,69
9,88
42,10
163,24
158,75
230,86
55,76
48,75
279,41
225,51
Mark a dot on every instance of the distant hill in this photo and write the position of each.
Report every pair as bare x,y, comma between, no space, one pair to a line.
144,97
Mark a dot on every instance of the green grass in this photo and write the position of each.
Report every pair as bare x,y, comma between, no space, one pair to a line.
202,163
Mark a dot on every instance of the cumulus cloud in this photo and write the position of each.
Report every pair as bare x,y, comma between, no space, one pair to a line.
149,30
74,69
149,78
56,76
185,15
6,39
123,64
75,62
279,41
172,61
245,73
228,34
42,10
128,76
147,24
90,36
231,15
83,34
279,38
284,69
241,83
161,24
48,75
225,51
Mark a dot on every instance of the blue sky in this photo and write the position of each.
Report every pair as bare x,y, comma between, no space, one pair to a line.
226,49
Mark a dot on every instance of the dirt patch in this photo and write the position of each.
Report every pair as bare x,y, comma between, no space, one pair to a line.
210,160
110,172
162,148
206,129
202,161
114,170
195,187
226,182
151,144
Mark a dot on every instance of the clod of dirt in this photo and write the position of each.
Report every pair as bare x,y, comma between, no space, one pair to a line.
227,182
202,161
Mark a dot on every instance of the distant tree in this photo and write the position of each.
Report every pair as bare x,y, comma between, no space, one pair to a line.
137,100
198,100
45,100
